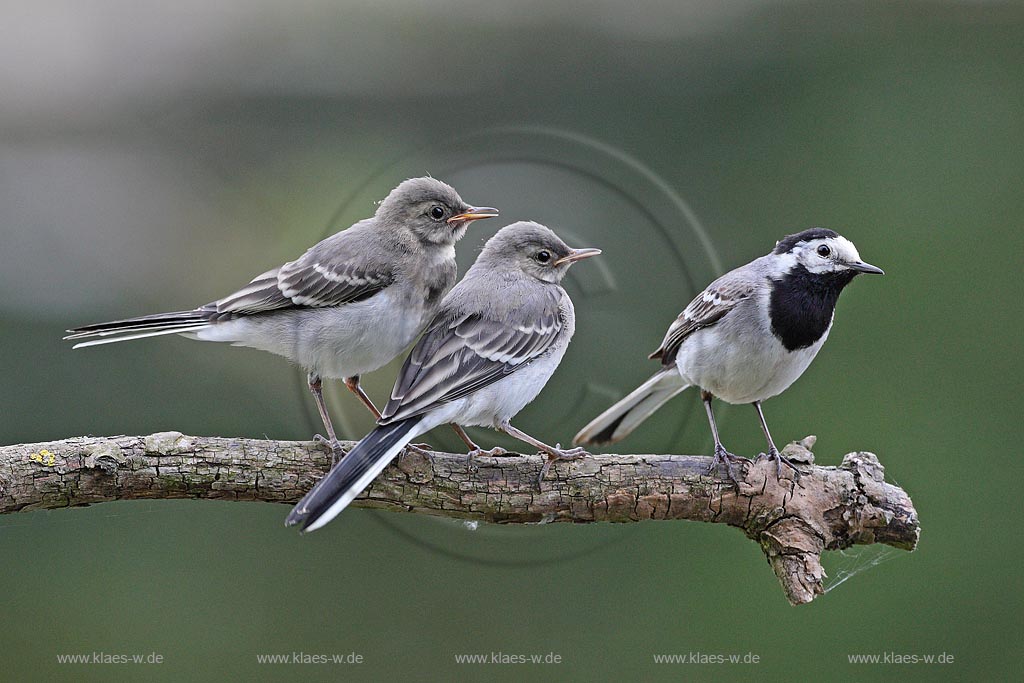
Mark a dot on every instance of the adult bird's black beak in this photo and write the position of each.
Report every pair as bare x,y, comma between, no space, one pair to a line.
866,268
474,213
577,255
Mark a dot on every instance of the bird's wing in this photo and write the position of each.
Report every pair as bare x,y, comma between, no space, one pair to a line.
463,352
326,275
706,309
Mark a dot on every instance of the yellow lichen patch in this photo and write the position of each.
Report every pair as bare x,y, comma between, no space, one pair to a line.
44,457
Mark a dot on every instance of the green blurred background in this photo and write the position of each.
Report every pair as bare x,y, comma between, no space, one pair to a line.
155,159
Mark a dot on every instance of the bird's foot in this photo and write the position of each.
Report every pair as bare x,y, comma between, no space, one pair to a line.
424,449
492,453
333,445
726,458
477,452
780,460
558,453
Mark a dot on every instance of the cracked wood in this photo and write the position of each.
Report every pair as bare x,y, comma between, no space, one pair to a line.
829,508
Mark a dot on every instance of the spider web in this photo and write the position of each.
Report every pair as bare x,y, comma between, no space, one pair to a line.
842,565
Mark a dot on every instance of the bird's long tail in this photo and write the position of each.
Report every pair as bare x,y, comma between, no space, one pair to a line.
137,328
353,474
626,415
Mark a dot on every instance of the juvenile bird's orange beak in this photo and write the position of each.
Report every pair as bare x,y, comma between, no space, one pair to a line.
474,214
577,255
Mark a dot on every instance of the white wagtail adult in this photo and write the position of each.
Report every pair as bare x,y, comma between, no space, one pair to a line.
745,338
492,347
347,306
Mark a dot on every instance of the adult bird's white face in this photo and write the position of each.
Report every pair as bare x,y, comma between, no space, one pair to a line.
831,255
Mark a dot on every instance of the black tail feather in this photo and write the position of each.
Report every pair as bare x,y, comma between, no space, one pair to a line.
334,492
140,323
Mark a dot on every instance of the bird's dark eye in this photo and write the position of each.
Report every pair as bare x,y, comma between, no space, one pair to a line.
544,256
824,251
437,213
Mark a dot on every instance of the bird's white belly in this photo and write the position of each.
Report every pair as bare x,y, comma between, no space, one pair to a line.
501,401
750,366
340,342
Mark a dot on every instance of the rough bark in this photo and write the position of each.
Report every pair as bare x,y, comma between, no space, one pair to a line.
829,508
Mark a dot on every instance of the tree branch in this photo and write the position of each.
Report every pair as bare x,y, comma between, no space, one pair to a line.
830,508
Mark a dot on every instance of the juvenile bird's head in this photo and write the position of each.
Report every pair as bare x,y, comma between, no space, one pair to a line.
533,249
822,252
431,210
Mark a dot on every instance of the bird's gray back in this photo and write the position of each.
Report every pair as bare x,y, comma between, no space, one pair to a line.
493,324
717,300
345,307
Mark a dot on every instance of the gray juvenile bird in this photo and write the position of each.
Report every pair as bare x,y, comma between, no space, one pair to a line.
745,338
492,347
347,306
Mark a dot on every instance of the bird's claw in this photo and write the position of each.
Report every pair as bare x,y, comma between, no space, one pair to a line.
558,453
570,454
492,453
423,449
780,460
337,452
477,452
728,459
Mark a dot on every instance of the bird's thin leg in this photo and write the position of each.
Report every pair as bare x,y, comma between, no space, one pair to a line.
356,388
773,452
474,449
316,388
721,455
555,452
353,385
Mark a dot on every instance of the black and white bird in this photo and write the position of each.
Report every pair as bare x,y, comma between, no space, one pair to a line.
489,351
747,337
347,306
